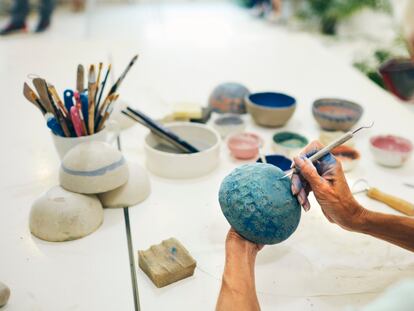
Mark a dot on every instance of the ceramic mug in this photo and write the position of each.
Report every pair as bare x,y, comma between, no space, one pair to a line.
108,134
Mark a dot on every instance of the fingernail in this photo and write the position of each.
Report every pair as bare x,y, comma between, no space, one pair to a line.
300,200
306,206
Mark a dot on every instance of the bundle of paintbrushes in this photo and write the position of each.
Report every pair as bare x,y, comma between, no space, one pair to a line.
83,111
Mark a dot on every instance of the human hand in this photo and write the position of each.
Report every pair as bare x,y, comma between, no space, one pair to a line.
238,246
327,180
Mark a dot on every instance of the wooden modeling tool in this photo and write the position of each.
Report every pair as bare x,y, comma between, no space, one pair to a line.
32,97
100,120
91,99
324,151
41,88
392,201
160,130
105,117
80,76
57,100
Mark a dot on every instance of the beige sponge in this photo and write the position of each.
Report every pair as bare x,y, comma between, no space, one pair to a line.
167,262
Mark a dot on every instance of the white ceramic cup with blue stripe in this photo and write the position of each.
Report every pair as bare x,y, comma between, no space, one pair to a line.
108,134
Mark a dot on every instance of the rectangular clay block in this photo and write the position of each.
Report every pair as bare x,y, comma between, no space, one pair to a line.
167,262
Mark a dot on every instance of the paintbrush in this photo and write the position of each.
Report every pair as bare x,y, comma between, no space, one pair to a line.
159,134
79,107
98,102
57,100
91,99
324,151
60,115
105,108
115,87
80,76
98,79
161,129
32,97
105,117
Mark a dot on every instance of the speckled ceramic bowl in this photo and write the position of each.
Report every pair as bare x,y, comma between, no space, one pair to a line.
277,160
244,145
390,150
289,144
270,109
398,75
349,157
334,114
228,98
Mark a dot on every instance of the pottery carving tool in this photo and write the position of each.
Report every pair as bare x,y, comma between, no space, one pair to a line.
91,99
98,79
68,99
80,76
392,201
32,97
53,124
160,130
325,150
100,120
41,88
76,121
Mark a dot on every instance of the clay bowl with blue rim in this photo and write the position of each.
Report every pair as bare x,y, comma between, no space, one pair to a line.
270,109
289,144
277,160
335,114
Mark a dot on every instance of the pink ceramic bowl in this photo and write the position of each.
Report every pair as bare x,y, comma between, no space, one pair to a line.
244,145
390,150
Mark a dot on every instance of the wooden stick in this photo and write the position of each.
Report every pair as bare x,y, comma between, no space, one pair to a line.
32,97
91,99
80,76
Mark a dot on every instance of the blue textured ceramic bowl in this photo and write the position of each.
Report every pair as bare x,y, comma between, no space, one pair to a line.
278,160
270,109
334,114
259,204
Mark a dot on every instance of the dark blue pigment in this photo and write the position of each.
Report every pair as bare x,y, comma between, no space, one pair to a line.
273,100
259,204
278,160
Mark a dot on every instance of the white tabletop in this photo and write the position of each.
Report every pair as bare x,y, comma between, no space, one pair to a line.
321,267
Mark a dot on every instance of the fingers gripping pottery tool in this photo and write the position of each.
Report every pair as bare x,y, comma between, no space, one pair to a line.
392,201
324,151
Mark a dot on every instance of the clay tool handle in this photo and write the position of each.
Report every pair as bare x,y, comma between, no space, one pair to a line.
54,125
80,77
166,132
77,123
32,97
41,88
396,203
325,150
68,99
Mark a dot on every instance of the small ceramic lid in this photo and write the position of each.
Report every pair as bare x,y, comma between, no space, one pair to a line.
60,215
93,167
136,190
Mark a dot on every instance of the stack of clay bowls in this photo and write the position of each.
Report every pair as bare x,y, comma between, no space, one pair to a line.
92,175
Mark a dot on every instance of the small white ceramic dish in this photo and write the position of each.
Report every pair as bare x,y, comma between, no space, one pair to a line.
289,144
390,150
162,161
60,215
93,167
229,124
136,190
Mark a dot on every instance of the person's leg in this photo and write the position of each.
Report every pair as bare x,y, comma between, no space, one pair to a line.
45,12
19,14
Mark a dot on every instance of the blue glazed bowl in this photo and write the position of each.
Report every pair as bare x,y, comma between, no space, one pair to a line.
270,109
334,114
277,160
259,204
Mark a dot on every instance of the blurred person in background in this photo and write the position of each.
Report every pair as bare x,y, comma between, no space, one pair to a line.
271,9
20,11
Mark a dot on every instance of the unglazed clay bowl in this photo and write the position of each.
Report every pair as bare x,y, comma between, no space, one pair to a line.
289,144
398,76
134,191
229,98
93,167
228,124
164,161
259,204
277,160
270,109
390,150
244,145
60,215
348,156
334,114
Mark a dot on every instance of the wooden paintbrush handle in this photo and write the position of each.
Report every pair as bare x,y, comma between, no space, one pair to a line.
396,203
